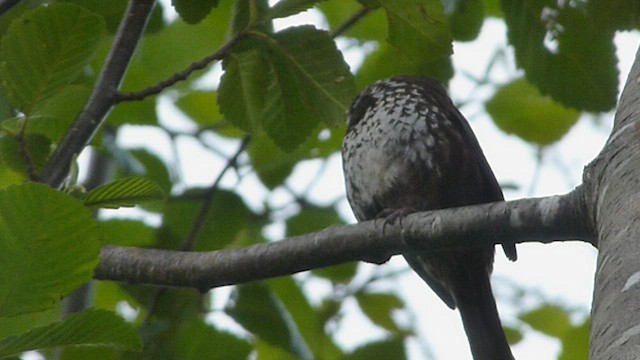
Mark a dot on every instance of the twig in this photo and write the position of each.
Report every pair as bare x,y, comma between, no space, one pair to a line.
24,152
104,93
182,75
207,199
351,22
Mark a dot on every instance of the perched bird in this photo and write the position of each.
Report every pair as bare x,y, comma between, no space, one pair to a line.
408,149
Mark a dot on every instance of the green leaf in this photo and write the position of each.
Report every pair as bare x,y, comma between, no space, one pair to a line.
176,47
286,85
284,8
415,25
271,164
465,18
54,115
46,49
260,312
134,113
519,108
154,168
37,149
575,343
563,54
112,11
514,335
126,233
243,85
379,308
548,319
49,247
124,193
392,348
372,27
386,61
309,83
612,15
225,222
193,11
307,319
94,327
197,340
201,107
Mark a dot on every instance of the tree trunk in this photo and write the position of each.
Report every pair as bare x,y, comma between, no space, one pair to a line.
612,184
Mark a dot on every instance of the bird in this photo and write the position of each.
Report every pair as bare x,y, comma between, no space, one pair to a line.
408,148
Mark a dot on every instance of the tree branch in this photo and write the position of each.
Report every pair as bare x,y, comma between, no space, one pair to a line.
104,93
554,218
184,74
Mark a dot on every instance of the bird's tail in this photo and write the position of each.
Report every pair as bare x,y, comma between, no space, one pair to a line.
482,323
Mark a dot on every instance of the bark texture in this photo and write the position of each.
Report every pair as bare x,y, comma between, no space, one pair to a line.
612,187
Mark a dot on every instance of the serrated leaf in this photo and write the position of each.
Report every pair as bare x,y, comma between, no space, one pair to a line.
49,247
286,85
284,8
46,49
193,11
548,319
125,192
519,108
379,307
94,327
563,54
309,83
257,309
418,24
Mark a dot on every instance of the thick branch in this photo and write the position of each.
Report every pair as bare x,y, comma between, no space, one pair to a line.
104,93
543,219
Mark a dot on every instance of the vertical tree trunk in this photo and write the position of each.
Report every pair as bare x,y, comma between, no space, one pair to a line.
613,197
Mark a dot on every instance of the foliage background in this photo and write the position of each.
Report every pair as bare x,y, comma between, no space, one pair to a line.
286,182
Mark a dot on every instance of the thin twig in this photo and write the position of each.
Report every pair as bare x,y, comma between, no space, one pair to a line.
25,154
104,93
182,75
207,199
350,22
